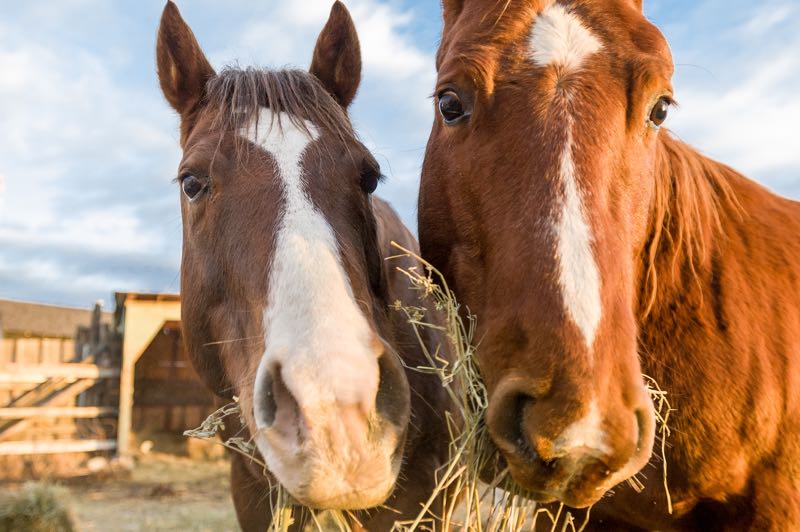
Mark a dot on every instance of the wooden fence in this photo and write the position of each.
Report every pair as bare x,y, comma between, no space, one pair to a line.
51,399
42,392
61,398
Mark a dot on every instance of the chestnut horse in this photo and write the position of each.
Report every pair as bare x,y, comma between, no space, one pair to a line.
594,247
285,291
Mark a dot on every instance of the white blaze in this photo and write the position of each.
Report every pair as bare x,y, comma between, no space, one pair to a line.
314,329
559,38
578,277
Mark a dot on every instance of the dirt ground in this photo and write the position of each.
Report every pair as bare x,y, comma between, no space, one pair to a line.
163,492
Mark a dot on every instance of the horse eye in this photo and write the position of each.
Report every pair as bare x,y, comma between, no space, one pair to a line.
191,186
369,179
450,107
659,112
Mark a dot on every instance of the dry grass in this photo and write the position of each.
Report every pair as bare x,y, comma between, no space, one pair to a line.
662,411
468,503
163,493
37,507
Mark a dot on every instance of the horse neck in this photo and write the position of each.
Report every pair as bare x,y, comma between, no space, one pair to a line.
694,198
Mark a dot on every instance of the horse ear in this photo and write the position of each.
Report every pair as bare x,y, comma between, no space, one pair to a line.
183,69
337,56
451,9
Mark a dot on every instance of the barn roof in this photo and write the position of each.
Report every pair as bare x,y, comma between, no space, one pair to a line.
23,318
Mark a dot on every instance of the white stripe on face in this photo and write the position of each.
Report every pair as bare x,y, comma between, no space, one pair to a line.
314,329
559,38
578,274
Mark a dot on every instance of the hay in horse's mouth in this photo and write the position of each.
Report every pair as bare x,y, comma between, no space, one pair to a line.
466,502
281,502
500,505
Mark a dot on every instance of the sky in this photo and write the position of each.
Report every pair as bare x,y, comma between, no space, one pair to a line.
89,148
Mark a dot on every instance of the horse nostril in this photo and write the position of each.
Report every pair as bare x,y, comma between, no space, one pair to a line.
506,421
264,405
551,464
393,399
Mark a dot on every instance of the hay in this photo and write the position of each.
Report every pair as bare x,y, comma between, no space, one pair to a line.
466,502
38,507
662,409
469,504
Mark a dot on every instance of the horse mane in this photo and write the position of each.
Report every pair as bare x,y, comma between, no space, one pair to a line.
691,193
235,97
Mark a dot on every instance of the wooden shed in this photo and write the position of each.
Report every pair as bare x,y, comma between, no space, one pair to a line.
159,389
75,381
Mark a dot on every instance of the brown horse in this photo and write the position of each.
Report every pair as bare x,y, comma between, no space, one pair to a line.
593,247
285,291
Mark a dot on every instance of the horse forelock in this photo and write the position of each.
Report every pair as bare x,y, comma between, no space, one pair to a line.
236,96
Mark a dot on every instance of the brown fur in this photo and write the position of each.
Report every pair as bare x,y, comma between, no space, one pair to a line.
228,235
699,269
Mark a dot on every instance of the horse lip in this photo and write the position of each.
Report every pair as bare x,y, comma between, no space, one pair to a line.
341,501
353,498
644,447
530,469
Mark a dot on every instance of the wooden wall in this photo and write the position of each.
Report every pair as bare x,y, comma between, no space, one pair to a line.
168,394
60,397
31,351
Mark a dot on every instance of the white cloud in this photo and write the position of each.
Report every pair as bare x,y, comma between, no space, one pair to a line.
387,52
737,95
81,154
752,125
768,18
285,33
88,155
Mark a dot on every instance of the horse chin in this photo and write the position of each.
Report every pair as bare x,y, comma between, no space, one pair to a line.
327,478
576,492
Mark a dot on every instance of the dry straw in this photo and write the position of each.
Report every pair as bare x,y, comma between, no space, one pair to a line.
460,500
37,507
468,504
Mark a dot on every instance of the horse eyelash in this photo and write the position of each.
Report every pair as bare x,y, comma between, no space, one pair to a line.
181,176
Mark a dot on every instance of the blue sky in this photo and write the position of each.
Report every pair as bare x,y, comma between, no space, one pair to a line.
88,148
